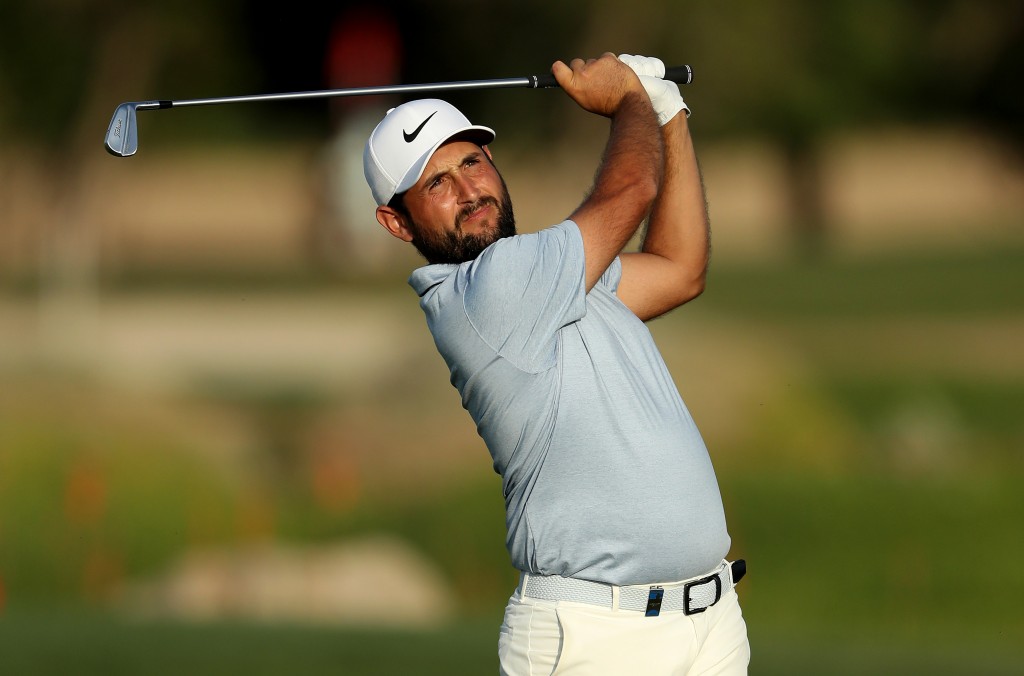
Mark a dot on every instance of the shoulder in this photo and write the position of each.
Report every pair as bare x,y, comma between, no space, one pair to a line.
531,261
558,240
427,280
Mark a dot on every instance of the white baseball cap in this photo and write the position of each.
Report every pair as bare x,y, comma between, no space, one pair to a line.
400,146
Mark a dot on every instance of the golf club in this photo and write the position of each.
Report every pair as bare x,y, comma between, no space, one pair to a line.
122,137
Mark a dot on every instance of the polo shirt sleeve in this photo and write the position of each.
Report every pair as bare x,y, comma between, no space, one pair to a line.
612,276
521,290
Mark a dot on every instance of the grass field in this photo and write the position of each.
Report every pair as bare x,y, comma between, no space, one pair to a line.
99,645
865,418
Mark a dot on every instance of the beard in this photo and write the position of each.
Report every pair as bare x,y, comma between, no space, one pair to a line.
456,246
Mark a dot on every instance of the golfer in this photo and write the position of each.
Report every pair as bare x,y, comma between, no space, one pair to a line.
613,510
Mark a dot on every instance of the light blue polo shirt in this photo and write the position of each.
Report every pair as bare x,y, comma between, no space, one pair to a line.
604,472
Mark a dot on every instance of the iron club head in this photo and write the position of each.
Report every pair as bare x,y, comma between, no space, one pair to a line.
122,134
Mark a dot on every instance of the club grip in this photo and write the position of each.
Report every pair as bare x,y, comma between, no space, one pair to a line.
679,74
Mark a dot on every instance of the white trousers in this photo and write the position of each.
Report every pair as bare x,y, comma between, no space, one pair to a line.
546,638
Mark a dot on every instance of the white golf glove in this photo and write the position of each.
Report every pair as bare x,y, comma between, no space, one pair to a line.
665,96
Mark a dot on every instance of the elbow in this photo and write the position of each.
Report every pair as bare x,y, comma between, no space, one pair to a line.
690,289
694,279
696,287
674,291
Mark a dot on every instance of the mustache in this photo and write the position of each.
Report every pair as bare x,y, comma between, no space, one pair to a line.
467,210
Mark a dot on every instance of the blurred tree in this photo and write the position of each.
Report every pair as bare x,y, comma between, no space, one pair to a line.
975,55
59,58
792,70
446,40
64,66
797,70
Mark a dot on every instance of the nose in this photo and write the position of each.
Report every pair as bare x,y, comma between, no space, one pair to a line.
468,190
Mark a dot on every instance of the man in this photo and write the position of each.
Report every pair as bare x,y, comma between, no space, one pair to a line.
613,511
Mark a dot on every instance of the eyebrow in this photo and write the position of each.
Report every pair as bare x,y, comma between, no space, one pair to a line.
474,154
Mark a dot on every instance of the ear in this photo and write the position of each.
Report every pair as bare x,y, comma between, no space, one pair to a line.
394,223
487,151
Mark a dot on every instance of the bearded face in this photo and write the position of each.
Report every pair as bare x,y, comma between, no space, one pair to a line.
455,245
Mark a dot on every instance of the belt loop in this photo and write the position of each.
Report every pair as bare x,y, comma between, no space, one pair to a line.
615,597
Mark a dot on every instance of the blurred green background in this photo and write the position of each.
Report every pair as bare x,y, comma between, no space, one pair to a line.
227,442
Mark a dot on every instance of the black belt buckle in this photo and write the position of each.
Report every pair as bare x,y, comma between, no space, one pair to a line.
739,569
696,583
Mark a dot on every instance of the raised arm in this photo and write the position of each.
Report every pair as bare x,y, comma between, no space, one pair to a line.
671,267
627,180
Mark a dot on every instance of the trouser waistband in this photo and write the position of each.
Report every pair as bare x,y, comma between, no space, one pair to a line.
691,596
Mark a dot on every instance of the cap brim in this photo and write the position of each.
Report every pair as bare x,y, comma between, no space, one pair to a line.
475,133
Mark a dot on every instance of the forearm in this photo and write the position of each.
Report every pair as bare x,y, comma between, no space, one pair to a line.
672,264
631,166
624,187
678,229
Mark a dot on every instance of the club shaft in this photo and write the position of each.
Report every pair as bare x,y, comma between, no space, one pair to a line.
531,82
680,74
122,137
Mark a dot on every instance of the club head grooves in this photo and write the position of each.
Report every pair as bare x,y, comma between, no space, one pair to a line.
122,137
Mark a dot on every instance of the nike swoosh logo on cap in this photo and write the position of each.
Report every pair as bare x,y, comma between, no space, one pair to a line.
409,138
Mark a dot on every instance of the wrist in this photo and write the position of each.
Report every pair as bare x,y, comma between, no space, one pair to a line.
671,114
635,103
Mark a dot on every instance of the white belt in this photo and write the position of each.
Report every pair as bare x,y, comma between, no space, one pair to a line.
691,596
